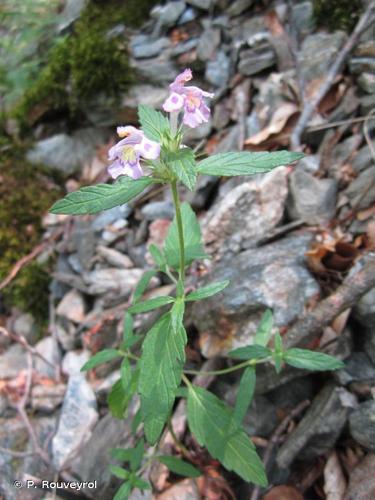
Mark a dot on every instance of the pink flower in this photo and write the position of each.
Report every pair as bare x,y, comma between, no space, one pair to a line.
190,99
127,153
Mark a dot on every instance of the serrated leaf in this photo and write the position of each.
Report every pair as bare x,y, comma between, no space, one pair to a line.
157,255
177,314
264,331
179,466
119,471
192,239
211,422
207,291
250,352
128,338
119,397
245,394
182,164
100,358
93,199
126,373
153,123
245,163
137,455
311,360
143,284
149,305
163,356
123,492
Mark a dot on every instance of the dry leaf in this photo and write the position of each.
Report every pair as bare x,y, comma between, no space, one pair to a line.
334,479
278,122
283,492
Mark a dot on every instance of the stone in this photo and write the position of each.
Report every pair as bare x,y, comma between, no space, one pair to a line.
46,398
273,276
218,70
358,368
168,14
72,306
238,7
192,135
84,241
362,424
302,18
201,4
25,326
182,490
358,193
157,70
310,164
367,82
319,428
317,53
110,216
78,417
367,104
149,95
362,480
67,153
369,344
256,59
50,350
360,65
246,214
70,13
12,362
158,210
208,43
143,47
362,160
311,199
185,46
119,283
114,257
73,361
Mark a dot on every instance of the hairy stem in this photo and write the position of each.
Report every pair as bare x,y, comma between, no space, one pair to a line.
181,244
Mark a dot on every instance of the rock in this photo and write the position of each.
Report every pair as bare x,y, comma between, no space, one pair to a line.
67,153
110,216
49,349
201,4
358,193
143,47
185,46
149,95
25,326
73,362
320,427
183,490
358,368
209,41
117,283
360,65
231,141
369,344
192,135
238,7
362,160
12,361
218,70
71,12
311,199
302,19
157,70
310,164
47,398
246,214
367,103
362,480
206,186
158,210
256,59
367,82
114,257
84,242
94,456
78,417
317,53
72,306
167,15
362,424
271,276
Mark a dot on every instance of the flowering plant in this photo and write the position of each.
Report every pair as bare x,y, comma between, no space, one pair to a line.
155,372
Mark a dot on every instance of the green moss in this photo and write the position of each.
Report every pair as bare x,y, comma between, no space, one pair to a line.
337,14
88,61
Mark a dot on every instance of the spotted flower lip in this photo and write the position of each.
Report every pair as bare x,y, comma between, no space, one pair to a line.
127,153
190,99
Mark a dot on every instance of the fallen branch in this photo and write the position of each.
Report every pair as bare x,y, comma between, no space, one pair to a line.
363,24
346,296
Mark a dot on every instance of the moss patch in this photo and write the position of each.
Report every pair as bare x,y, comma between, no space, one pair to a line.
337,14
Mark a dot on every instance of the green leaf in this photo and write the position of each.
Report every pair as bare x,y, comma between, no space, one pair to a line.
126,373
207,291
93,199
117,399
139,483
143,284
157,255
177,314
264,330
100,358
137,455
122,454
182,164
153,123
192,239
245,394
149,305
128,338
179,466
137,420
278,353
119,471
311,360
123,492
163,356
212,423
245,163
250,352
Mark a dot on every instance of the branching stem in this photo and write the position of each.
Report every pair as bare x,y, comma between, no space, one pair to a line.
181,244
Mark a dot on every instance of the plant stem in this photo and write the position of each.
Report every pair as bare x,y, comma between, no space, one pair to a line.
251,362
181,244
177,442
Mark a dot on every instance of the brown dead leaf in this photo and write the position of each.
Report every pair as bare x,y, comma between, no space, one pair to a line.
332,255
366,214
334,479
283,492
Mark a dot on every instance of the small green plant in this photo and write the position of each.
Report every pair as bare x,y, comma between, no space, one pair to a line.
157,374
337,14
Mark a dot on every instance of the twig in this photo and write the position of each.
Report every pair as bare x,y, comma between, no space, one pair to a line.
276,437
309,107
349,121
346,296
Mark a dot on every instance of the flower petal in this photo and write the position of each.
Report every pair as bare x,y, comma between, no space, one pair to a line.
117,169
125,131
192,118
174,102
148,149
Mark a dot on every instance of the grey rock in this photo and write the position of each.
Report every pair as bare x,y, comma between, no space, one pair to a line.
78,417
110,216
318,52
67,153
49,349
208,43
157,70
272,276
362,160
311,199
66,334
231,141
358,368
201,4
205,187
360,65
358,193
149,95
71,12
344,151
47,398
12,361
367,103
84,240
158,210
367,82
218,70
25,326
142,47
320,427
73,361
114,257
168,14
246,214
192,135
252,124
72,306
369,343
183,47
362,482
116,283
238,7
188,15
256,59
310,164
75,263
302,19
362,425
187,489
364,311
